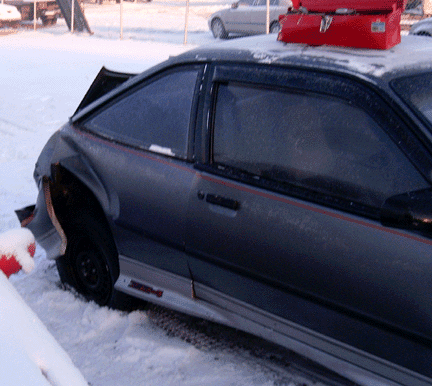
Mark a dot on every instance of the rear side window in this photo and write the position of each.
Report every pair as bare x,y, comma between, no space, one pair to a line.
155,117
322,144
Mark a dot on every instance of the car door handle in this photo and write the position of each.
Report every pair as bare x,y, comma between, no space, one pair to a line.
223,201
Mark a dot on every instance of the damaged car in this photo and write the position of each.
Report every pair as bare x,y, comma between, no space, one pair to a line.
281,189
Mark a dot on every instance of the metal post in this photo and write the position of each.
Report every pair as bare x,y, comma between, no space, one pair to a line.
186,22
34,15
73,16
121,19
268,16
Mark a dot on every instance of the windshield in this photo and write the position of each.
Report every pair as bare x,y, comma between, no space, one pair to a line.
417,92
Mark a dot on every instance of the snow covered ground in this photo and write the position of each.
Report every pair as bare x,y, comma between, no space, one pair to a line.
43,76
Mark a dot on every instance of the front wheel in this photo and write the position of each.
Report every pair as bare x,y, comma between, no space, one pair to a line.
48,21
90,263
218,29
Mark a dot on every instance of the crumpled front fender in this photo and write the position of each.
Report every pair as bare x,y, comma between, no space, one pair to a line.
60,156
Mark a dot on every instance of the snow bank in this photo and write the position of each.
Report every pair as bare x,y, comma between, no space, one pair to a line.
29,354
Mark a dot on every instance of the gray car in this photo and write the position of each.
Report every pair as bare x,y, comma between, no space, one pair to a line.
247,17
422,27
280,189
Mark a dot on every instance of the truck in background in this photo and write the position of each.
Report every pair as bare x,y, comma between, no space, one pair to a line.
46,10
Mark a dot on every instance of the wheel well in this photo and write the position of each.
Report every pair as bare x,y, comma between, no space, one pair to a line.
70,196
423,33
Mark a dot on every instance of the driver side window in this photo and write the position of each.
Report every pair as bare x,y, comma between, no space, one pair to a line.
321,144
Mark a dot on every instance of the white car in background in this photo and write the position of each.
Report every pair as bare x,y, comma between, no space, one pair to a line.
422,27
247,17
9,15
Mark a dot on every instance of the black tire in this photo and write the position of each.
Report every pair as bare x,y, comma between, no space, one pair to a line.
275,27
90,263
46,22
218,29
423,33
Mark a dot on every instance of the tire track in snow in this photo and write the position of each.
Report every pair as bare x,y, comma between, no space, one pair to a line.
18,126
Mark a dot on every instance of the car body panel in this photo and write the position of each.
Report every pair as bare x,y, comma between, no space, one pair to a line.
318,272
150,215
312,254
422,27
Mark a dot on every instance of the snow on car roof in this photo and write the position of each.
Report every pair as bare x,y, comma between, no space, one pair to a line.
412,52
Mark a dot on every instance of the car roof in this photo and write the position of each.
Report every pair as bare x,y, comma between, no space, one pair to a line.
411,55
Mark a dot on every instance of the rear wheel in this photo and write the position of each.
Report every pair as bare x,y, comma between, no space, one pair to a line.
90,263
275,27
218,29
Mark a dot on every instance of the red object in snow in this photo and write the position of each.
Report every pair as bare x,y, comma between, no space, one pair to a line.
9,264
366,24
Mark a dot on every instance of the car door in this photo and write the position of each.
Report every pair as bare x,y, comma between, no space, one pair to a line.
259,15
284,213
146,147
238,18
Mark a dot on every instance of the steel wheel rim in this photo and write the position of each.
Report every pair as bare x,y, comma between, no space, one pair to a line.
217,28
92,273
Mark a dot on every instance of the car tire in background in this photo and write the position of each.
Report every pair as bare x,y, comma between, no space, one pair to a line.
423,33
275,27
48,21
218,29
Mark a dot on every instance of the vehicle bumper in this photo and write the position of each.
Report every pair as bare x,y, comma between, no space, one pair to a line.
36,218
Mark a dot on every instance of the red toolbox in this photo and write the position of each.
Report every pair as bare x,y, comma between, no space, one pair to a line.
363,6
373,28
